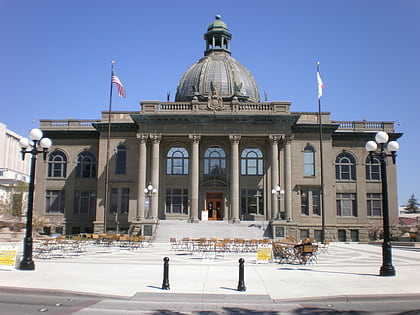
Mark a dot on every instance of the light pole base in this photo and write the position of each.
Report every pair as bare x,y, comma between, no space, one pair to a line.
387,271
27,264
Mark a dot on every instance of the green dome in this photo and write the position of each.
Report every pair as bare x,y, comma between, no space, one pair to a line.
217,24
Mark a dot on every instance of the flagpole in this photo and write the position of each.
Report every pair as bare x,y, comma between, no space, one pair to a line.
321,152
107,151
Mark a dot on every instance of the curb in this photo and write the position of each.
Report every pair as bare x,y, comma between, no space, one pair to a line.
209,298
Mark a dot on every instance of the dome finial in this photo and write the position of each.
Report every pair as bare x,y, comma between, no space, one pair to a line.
218,17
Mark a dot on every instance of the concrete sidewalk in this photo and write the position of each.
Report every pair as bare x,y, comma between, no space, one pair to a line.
347,271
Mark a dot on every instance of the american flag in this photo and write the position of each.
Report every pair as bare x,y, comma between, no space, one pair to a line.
120,87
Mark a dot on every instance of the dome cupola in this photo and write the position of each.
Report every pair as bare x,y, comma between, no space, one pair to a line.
217,37
217,73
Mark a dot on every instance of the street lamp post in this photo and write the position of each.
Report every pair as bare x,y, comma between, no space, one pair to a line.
38,144
279,193
149,191
381,138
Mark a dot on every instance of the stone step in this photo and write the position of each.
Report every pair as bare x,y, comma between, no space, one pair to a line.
212,229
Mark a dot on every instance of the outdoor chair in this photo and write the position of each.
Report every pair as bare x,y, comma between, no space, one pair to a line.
323,247
252,245
175,245
307,254
219,249
239,245
228,244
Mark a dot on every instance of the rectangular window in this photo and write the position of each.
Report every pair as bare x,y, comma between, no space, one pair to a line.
56,170
309,170
119,200
85,202
318,235
54,201
125,199
373,169
148,230
86,170
252,167
354,234
121,160
345,172
342,235
252,201
304,202
316,204
346,205
177,166
304,234
177,201
374,205
310,201
309,163
113,202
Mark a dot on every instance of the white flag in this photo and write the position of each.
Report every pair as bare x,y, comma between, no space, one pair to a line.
320,85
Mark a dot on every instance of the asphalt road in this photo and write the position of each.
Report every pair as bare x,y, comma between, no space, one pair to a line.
16,303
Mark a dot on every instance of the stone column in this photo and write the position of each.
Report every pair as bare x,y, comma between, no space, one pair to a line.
274,140
288,177
141,176
234,178
155,174
194,184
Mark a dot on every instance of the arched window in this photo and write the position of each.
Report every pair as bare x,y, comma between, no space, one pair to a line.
86,165
57,164
215,162
177,161
373,169
251,162
309,161
121,160
345,167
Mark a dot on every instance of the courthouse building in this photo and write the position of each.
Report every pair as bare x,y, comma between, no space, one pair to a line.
216,153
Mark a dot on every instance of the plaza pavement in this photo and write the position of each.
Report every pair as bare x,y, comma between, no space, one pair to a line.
348,271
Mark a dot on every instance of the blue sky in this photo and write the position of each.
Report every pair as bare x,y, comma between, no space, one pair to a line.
56,58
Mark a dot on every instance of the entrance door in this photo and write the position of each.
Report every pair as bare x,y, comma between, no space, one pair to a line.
214,204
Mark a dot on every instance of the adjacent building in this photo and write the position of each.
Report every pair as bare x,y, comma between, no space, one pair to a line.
216,153
14,174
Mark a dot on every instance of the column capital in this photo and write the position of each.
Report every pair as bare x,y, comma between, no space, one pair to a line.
235,138
194,138
142,137
288,139
155,137
276,138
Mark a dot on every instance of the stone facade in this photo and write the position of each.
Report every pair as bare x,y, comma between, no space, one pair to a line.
282,136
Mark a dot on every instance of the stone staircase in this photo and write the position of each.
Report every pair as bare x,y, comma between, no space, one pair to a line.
212,229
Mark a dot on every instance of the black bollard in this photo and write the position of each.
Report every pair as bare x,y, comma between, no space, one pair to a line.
165,283
241,282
